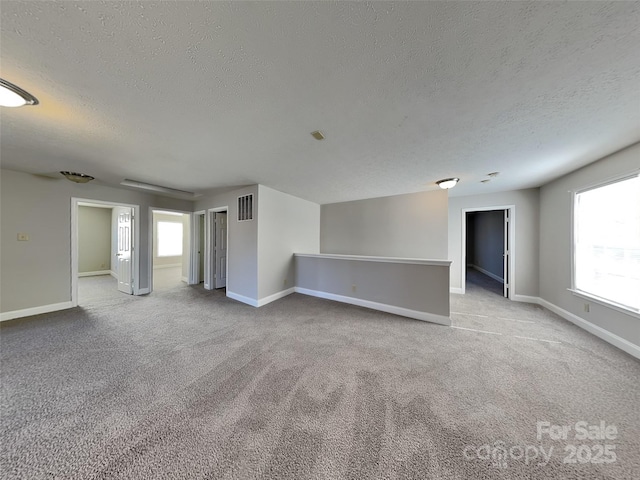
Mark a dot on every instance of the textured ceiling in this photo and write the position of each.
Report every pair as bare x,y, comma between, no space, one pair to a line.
196,96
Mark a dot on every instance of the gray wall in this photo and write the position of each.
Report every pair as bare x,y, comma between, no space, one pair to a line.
423,288
410,226
94,239
526,235
485,231
287,225
38,272
556,247
242,269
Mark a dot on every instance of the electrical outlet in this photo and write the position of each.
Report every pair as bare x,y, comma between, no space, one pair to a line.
284,282
353,288
102,265
586,307
23,237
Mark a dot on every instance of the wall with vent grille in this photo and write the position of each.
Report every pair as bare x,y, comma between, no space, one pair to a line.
245,208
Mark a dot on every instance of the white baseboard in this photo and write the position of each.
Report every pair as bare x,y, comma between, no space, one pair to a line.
525,299
27,312
383,307
488,273
241,298
113,274
169,265
276,296
458,290
185,280
94,274
607,336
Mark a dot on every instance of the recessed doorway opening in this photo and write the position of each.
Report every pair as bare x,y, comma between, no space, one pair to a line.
170,249
488,249
104,245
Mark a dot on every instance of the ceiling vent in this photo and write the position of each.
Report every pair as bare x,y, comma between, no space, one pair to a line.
245,208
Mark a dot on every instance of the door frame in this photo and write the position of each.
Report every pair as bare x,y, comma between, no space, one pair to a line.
75,202
209,257
512,241
194,261
160,209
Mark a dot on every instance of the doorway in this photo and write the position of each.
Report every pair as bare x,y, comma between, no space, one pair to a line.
104,241
487,249
170,249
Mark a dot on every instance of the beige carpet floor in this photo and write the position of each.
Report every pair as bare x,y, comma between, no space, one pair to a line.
186,383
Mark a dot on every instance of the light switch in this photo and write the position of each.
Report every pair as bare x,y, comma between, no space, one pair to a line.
23,237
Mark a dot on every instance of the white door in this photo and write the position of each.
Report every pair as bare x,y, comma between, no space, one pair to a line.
201,246
507,254
220,248
125,251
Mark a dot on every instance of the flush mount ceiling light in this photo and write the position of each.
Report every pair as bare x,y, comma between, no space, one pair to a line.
77,177
318,135
447,183
156,188
13,96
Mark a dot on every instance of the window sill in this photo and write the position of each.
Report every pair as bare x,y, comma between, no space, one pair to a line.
615,306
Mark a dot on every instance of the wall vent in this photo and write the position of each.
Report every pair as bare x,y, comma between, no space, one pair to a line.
245,208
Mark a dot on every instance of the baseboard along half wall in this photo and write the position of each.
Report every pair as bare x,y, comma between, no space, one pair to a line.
404,312
27,312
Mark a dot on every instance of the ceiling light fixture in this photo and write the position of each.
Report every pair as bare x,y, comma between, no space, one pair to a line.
318,135
447,183
156,188
77,177
13,96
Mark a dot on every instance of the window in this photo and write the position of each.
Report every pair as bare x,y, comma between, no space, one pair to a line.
607,242
169,239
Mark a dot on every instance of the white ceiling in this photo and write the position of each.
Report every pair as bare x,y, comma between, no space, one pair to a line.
197,96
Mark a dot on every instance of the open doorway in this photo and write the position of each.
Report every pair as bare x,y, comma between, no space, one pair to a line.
170,259
487,249
104,237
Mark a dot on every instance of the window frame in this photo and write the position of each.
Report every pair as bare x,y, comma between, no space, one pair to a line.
574,205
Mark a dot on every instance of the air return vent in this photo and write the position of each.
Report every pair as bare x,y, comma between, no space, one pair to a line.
245,208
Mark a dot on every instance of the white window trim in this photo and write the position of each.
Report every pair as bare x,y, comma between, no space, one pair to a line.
573,289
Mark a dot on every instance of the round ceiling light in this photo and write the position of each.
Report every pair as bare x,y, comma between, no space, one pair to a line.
447,183
77,177
13,96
